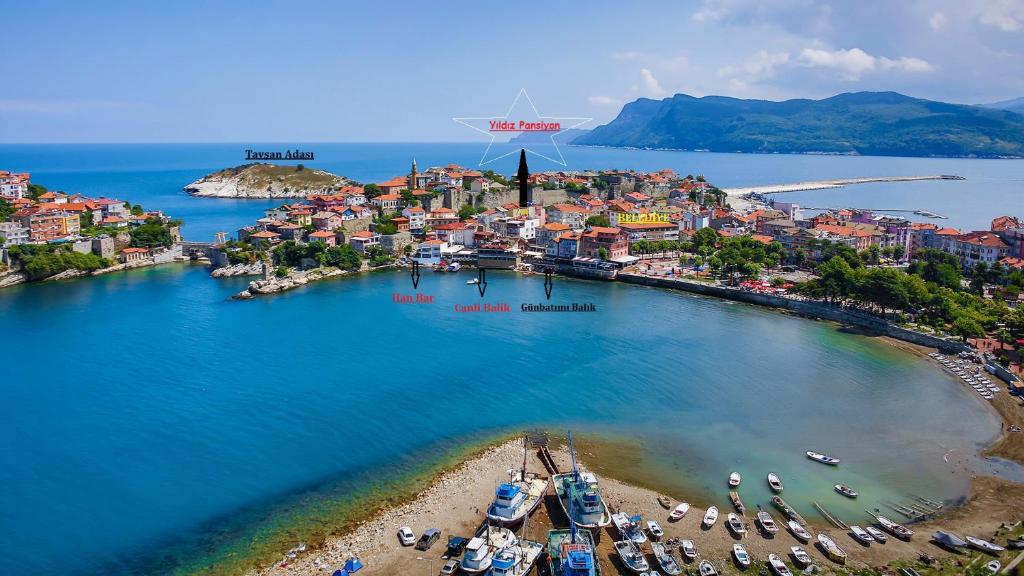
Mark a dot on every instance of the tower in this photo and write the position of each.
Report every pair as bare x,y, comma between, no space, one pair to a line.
412,176
523,176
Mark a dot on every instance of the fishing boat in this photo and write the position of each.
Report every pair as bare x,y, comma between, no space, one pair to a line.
734,479
688,549
473,281
734,497
779,567
678,512
788,510
1015,543
631,556
665,502
800,556
571,552
629,528
767,522
877,534
740,553
710,517
654,529
582,489
897,530
798,531
846,490
480,550
984,545
666,561
735,524
993,567
774,482
819,457
707,569
518,498
861,535
516,560
832,550
454,267
949,541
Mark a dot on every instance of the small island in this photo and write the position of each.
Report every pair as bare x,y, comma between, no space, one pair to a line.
262,180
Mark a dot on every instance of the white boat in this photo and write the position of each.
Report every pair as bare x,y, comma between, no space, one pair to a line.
993,567
819,457
678,512
832,550
588,509
516,560
707,569
480,550
734,479
667,562
799,532
774,482
654,529
735,524
846,490
984,545
861,535
800,556
688,549
779,567
877,534
454,267
740,553
710,517
473,281
631,556
949,541
628,528
518,498
898,530
767,522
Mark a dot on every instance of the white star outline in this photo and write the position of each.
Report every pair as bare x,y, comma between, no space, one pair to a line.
522,92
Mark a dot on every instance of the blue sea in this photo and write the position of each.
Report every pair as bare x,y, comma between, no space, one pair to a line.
151,425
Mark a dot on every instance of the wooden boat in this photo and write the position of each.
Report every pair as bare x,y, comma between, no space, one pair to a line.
877,534
666,561
861,535
767,522
824,459
846,491
779,567
788,510
688,549
984,545
734,497
897,530
735,524
707,569
832,550
678,512
710,517
665,502
949,541
734,479
741,555
798,531
774,482
800,556
631,556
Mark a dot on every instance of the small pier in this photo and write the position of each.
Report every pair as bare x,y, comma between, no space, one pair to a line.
832,518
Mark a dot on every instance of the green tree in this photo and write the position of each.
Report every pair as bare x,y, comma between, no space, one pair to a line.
151,234
602,253
599,221
371,191
345,257
883,287
837,279
467,211
966,327
6,209
36,190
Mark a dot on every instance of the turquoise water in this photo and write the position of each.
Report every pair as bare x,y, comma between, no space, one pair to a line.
148,418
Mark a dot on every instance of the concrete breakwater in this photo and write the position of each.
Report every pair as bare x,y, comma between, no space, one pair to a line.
810,308
825,184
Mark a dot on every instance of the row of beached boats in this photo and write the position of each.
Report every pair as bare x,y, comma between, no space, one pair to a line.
970,373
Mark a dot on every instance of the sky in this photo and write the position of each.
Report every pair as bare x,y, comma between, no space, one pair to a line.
391,71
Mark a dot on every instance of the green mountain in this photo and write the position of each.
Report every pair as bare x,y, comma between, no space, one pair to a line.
868,123
1015,105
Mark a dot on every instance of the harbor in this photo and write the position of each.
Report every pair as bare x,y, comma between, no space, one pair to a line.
826,184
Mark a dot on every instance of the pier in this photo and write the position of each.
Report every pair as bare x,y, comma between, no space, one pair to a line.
826,184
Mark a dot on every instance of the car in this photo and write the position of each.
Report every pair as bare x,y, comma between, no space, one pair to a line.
456,545
450,567
428,538
406,536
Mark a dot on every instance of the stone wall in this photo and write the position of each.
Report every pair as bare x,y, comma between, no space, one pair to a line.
395,242
542,197
495,197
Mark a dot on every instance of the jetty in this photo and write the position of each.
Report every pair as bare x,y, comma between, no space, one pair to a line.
832,518
826,184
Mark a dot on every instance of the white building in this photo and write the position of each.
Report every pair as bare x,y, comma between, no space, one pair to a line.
12,233
429,252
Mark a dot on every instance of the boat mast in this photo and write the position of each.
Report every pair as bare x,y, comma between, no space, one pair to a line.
572,489
523,474
572,455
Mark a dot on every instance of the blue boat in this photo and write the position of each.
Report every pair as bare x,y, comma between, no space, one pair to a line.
572,552
516,499
580,497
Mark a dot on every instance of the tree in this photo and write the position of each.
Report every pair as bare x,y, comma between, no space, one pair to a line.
345,257
966,327
36,190
704,237
883,286
602,253
837,279
467,211
151,234
938,267
600,221
371,191
6,210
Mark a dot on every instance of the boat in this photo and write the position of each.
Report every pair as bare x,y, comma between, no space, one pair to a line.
678,512
949,541
734,479
688,549
441,266
631,556
667,562
454,267
518,498
734,497
480,550
740,553
984,545
798,531
665,502
571,552
582,488
735,524
846,491
800,556
516,560
774,482
767,522
861,535
629,528
779,567
877,534
473,281
788,510
819,457
832,518
993,567
710,517
897,530
654,529
707,569
832,550
1015,543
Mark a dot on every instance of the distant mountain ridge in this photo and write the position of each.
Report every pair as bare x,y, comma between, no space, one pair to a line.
866,123
545,137
1014,105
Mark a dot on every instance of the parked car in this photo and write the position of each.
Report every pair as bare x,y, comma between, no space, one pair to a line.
456,546
428,538
450,567
406,536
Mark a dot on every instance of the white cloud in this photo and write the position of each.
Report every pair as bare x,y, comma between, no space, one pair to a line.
604,100
650,83
1007,15
938,21
760,66
854,63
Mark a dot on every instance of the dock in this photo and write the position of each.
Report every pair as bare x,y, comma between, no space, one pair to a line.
832,519
826,184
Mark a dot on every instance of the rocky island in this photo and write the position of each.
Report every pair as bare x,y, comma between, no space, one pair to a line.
261,180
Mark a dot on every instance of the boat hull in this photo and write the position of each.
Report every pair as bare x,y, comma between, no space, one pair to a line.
563,500
538,487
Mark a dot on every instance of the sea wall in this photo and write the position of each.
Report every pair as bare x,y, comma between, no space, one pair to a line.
809,308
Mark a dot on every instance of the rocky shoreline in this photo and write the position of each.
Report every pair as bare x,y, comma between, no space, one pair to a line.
265,181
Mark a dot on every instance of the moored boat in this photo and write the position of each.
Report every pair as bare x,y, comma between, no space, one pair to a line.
734,497
778,566
861,535
454,267
665,502
984,545
788,510
666,561
707,569
741,555
710,517
877,534
798,531
629,528
846,490
949,541
735,524
654,529
767,522
678,512
898,530
480,550
515,560
571,553
800,556
589,509
631,556
774,482
688,549
832,550
824,459
993,567
734,479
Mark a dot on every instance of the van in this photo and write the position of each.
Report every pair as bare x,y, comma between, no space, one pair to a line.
428,538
